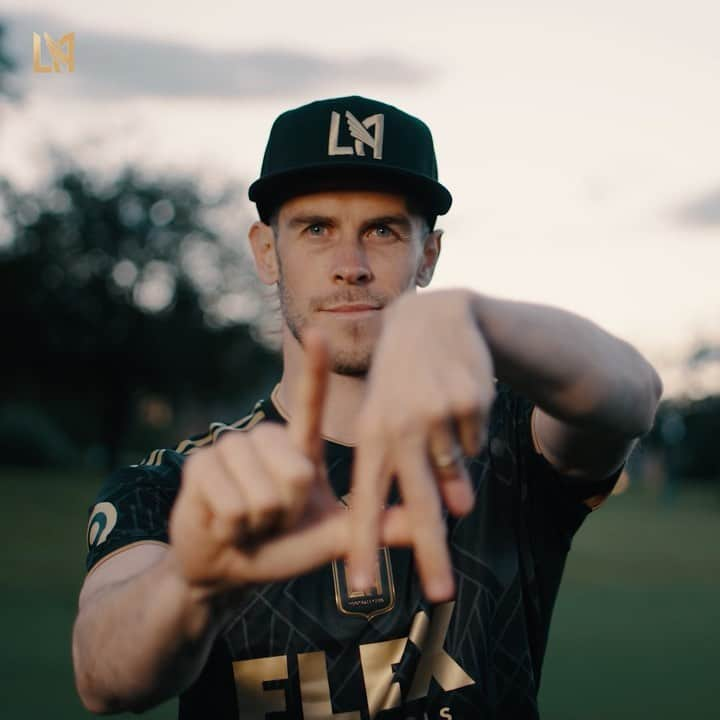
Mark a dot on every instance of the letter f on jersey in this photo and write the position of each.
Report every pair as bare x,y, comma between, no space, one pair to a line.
359,131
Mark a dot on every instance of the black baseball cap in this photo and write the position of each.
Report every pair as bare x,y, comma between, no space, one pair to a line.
349,142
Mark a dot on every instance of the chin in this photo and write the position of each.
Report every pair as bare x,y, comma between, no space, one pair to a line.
348,360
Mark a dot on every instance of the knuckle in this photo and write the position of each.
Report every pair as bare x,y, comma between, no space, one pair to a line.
466,404
229,444
402,426
473,402
435,411
266,434
301,476
231,512
195,468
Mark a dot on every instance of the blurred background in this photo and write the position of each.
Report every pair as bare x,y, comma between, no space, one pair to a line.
580,141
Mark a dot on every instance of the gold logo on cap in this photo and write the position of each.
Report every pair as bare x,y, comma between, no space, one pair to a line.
360,133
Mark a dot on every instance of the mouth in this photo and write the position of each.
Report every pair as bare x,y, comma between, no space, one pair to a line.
351,308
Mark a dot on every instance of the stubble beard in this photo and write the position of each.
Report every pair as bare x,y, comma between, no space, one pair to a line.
352,358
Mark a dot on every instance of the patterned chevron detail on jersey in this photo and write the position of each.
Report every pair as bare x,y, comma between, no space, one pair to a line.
192,444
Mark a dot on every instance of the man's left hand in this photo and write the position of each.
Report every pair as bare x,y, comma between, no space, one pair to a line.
430,391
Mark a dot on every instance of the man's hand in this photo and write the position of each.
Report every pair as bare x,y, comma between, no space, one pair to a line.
430,391
257,507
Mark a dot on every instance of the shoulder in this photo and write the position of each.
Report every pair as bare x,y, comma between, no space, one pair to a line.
134,503
175,457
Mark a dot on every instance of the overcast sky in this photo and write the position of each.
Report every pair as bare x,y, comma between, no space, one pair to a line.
580,140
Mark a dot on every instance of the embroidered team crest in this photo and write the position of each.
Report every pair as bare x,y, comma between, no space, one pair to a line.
102,520
381,596
360,132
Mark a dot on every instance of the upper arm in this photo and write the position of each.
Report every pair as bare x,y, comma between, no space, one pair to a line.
578,452
127,525
121,565
588,456
132,508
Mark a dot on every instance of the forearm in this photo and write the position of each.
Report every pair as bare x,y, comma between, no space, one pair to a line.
568,365
143,640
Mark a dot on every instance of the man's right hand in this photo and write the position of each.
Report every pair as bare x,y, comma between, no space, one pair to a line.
254,508
257,506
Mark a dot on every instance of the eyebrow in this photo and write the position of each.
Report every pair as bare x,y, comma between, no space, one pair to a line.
305,220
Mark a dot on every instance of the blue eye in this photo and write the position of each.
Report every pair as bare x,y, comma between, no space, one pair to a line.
382,231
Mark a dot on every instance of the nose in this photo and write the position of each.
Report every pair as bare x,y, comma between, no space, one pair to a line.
351,265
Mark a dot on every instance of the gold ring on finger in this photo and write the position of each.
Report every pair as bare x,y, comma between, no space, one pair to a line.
444,460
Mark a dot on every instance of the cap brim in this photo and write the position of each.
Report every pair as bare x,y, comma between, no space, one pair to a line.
273,189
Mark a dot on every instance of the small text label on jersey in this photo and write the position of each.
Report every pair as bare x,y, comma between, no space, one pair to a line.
359,130
258,681
102,520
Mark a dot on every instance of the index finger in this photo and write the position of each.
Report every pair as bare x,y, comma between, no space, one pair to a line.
369,488
306,422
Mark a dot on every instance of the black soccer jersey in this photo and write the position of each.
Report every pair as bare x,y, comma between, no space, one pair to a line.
311,648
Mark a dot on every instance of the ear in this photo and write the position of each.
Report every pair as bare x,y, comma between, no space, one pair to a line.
430,255
262,242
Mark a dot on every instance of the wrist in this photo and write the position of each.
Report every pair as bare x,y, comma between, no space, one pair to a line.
203,607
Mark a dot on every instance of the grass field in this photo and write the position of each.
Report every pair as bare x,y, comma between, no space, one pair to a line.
636,632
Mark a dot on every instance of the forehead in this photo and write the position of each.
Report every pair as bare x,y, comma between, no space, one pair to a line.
348,205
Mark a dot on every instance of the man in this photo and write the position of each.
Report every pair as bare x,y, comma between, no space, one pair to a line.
242,571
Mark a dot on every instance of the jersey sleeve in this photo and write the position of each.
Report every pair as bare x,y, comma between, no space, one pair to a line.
550,508
133,505
556,503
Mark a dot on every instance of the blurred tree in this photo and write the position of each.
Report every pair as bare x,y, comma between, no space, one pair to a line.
118,291
7,66
686,431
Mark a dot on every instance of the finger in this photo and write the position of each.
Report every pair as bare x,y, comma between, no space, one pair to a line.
422,501
395,527
224,501
265,503
446,459
456,491
472,432
292,553
306,423
470,399
322,496
370,485
303,550
291,473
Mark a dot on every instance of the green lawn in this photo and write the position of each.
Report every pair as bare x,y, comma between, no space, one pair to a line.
43,517
636,632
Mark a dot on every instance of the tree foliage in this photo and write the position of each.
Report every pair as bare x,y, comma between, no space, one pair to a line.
113,291
686,431
7,65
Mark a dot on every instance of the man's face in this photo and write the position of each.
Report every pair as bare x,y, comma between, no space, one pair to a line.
342,256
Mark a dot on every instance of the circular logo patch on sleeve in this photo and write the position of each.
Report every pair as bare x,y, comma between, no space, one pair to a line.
102,520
